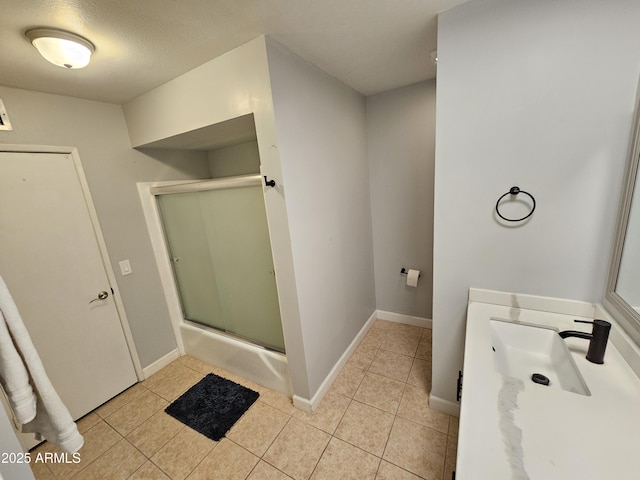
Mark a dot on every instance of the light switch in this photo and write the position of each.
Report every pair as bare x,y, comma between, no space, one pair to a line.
125,267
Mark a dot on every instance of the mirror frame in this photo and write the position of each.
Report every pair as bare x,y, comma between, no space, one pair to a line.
628,318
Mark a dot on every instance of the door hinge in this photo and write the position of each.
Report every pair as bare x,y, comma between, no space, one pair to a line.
459,394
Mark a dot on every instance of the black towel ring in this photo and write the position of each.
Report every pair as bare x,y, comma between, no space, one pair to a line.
515,191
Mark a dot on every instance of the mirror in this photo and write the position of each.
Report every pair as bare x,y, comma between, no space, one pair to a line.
622,298
628,283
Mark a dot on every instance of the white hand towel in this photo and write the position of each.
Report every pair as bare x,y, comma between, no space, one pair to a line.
15,379
52,421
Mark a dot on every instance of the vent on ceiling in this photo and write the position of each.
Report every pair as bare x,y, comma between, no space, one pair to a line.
5,124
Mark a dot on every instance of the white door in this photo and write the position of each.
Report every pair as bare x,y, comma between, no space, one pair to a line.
52,263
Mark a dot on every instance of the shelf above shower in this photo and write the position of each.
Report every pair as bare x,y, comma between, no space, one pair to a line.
231,132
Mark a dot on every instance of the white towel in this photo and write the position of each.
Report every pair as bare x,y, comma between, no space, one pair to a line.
52,419
15,379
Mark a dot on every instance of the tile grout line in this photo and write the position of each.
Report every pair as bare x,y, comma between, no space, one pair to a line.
96,410
150,458
274,439
136,448
198,464
385,334
320,457
92,461
75,475
395,414
261,457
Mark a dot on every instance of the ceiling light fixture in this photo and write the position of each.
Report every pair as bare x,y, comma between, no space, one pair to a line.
61,48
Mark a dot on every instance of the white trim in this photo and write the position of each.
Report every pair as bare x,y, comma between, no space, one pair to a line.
260,365
161,363
445,406
406,319
124,321
211,184
312,404
93,215
156,234
622,339
304,404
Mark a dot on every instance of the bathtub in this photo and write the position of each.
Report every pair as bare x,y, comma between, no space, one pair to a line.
260,365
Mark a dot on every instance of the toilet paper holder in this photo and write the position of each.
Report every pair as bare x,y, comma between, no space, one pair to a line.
404,271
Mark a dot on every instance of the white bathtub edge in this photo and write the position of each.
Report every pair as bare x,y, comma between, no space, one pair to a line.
262,366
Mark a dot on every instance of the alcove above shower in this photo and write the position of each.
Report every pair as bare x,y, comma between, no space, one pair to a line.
224,149
307,126
214,251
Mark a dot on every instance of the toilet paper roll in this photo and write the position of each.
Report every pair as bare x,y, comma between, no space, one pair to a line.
412,277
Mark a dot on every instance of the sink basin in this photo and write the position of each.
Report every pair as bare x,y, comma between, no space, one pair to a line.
522,350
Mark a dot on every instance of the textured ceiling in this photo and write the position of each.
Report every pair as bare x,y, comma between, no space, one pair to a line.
371,45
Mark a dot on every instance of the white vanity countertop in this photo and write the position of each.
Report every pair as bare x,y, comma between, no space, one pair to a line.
511,429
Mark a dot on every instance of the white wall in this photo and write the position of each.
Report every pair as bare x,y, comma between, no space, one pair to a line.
227,87
112,168
538,95
241,159
321,126
312,141
401,150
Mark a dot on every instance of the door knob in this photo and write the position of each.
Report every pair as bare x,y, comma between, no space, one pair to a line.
101,296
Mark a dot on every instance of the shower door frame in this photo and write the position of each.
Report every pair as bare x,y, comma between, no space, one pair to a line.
240,326
147,192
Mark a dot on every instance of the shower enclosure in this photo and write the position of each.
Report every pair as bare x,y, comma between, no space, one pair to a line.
218,241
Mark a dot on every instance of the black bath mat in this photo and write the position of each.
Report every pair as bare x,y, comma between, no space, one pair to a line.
212,405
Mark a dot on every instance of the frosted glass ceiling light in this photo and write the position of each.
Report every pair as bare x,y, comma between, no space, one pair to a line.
61,48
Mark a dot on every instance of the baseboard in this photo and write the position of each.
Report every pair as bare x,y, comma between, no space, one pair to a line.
312,404
445,406
304,404
309,405
160,363
406,319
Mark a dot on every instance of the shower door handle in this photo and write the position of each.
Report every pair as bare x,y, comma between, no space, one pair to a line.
101,296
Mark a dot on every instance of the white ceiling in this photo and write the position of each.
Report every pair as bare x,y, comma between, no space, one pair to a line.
371,45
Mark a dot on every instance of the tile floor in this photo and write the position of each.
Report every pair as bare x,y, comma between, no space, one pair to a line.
374,423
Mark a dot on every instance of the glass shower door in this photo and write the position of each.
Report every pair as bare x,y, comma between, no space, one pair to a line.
220,250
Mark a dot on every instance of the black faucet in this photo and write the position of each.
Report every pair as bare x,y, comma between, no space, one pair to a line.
598,336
